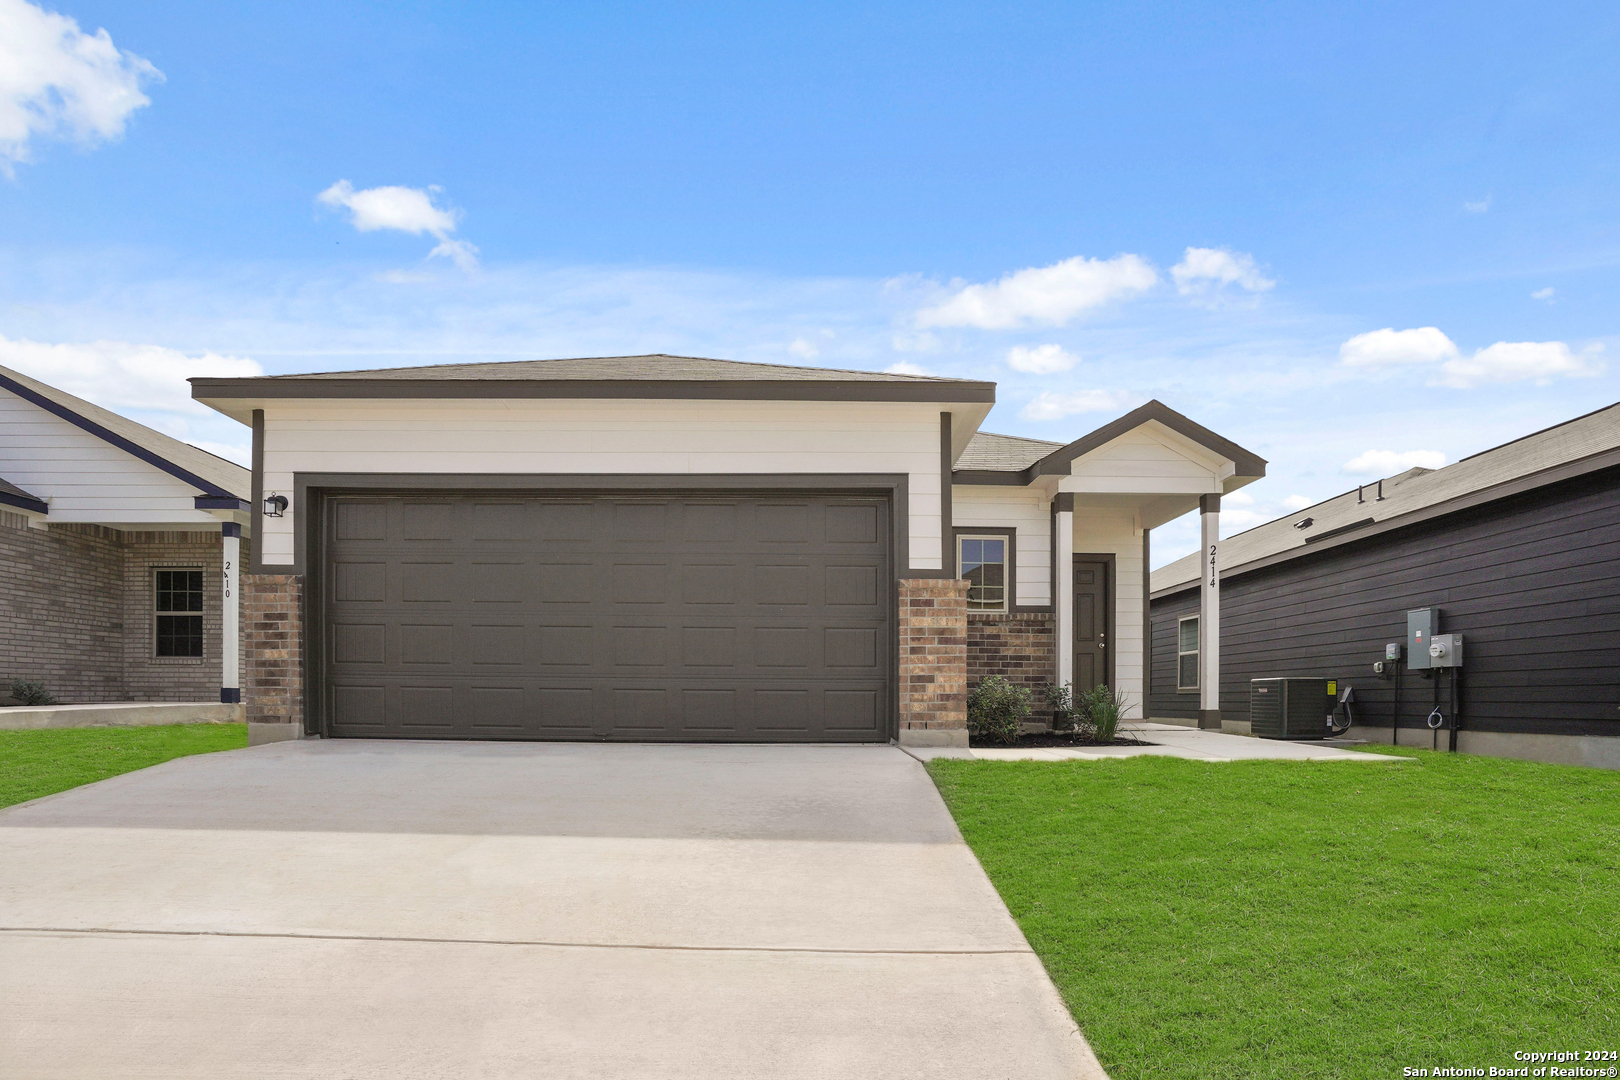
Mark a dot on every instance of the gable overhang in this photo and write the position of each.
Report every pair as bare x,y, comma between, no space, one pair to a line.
209,490
1232,465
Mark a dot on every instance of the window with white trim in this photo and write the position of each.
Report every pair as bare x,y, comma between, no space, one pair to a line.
983,561
178,603
1187,653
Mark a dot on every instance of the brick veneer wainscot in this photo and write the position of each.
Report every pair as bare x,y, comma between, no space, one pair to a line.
273,643
933,661
1021,647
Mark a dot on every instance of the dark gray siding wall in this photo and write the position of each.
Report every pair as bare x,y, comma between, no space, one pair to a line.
1532,582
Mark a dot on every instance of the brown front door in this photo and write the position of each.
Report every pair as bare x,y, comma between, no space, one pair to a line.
1090,624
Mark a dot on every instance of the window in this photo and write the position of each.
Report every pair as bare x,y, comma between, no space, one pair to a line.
983,561
1187,653
179,593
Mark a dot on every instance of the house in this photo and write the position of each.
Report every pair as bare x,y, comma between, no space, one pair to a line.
662,547
115,554
1519,549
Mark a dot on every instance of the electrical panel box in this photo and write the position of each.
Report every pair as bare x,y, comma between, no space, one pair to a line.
1446,651
1392,650
1292,708
1421,626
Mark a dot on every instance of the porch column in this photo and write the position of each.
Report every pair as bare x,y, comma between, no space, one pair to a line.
1209,614
1063,587
230,622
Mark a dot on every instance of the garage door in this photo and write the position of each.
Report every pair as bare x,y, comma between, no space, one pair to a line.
692,617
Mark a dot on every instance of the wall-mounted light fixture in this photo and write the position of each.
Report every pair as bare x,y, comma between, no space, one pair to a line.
275,505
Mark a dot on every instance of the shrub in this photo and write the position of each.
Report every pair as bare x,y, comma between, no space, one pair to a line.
1061,698
996,710
31,693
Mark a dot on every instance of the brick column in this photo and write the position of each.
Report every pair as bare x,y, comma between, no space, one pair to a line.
273,644
933,662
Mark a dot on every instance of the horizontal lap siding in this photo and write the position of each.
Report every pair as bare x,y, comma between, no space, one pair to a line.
607,437
1013,508
84,477
1532,583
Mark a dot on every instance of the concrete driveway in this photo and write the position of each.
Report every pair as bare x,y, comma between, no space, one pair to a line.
401,910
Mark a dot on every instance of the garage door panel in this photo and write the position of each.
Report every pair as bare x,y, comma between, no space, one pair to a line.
706,617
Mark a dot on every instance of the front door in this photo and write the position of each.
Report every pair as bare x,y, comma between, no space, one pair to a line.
1090,624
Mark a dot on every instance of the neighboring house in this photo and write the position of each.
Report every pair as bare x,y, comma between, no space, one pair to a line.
659,547
1519,548
111,550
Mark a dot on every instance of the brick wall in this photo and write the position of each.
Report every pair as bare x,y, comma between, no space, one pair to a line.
147,676
1021,648
61,609
273,646
933,662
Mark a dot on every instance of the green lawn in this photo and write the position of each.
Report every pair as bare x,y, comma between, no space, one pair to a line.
1285,919
36,763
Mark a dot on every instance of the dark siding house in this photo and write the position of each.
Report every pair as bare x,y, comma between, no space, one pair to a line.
1519,549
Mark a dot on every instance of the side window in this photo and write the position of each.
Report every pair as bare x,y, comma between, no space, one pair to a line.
178,604
1187,653
983,561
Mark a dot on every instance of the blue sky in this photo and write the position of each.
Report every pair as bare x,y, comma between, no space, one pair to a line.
1222,206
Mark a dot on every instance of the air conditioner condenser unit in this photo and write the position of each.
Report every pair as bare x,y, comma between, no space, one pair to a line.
1292,708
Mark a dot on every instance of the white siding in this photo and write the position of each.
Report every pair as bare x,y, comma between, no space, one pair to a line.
1101,532
86,479
1018,508
607,437
1142,460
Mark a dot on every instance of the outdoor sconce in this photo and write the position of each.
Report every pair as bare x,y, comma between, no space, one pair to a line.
275,505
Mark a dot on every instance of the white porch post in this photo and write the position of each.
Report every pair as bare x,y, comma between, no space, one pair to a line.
230,690
1209,615
1063,588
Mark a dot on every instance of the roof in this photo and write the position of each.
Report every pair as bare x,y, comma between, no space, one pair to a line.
12,495
655,376
1580,445
654,366
1001,457
213,476
1003,453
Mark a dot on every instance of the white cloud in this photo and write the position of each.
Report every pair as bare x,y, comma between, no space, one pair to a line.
1050,406
1298,502
1390,462
1546,294
804,347
1237,498
403,209
1478,207
119,375
1514,361
906,367
1388,347
1041,360
1202,269
56,80
1043,296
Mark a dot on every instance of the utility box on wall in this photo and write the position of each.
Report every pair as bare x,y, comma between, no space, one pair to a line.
1421,626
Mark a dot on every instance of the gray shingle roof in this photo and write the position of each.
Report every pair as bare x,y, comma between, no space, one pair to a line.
225,474
1410,492
656,366
17,494
1003,453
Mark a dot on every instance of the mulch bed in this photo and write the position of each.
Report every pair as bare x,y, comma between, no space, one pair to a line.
1045,739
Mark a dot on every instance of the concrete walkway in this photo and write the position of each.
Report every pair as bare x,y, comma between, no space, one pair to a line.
356,910
1171,740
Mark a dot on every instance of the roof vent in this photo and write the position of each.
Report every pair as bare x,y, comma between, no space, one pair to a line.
1304,523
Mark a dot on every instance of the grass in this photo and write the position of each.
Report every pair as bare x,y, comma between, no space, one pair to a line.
38,763
1285,919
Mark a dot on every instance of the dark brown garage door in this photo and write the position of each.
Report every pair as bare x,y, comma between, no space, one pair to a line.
693,617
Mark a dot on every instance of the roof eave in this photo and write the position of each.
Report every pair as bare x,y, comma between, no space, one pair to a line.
962,392
1569,470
